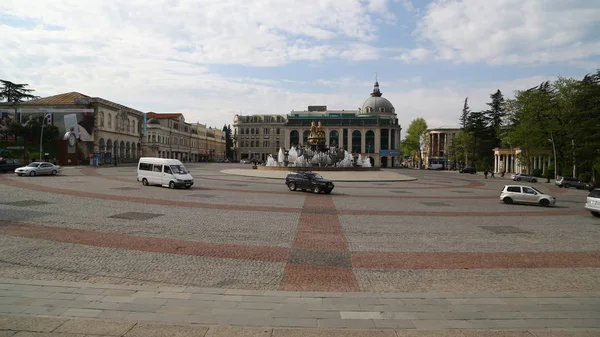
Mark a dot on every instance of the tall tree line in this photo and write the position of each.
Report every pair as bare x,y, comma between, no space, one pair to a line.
564,113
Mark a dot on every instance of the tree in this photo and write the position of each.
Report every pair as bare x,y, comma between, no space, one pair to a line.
414,139
461,148
465,114
495,116
15,93
228,142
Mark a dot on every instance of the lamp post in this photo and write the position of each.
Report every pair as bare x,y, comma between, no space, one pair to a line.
553,149
44,120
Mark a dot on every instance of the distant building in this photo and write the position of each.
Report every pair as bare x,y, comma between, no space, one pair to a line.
168,135
372,130
438,144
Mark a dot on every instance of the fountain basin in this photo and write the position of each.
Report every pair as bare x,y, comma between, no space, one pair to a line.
316,168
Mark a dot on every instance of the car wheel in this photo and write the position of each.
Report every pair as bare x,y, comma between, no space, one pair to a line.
292,186
32,173
596,214
567,185
534,180
316,189
188,187
507,200
20,174
518,179
545,202
172,185
145,182
327,191
53,172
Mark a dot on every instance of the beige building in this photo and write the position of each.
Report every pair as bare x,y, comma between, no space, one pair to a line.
372,130
515,161
168,135
108,129
437,147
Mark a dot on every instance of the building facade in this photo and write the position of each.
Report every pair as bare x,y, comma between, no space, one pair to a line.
168,135
438,144
110,130
372,130
515,161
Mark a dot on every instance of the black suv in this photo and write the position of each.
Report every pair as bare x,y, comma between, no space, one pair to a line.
567,182
9,165
471,170
308,181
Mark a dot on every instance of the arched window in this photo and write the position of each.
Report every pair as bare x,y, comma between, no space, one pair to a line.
101,119
109,121
333,138
305,135
294,138
356,140
370,141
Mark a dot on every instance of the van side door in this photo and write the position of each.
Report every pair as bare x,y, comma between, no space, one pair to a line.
167,175
157,174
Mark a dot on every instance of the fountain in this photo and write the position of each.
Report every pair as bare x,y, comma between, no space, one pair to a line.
317,156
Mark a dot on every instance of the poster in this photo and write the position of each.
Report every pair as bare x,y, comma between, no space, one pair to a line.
83,119
6,118
70,122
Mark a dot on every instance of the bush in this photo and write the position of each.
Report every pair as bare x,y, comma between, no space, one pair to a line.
537,173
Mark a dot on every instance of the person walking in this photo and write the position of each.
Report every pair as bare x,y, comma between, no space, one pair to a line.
485,173
492,174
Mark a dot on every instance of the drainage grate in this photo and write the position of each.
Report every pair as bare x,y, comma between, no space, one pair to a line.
237,185
463,192
26,203
505,230
125,188
435,204
401,192
381,184
320,257
135,216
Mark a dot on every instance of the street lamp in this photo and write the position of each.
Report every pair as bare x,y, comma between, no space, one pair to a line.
554,149
44,120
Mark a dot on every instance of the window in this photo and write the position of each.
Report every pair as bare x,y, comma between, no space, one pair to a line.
145,167
167,169
266,143
278,131
157,168
528,190
242,131
266,131
514,189
251,131
109,121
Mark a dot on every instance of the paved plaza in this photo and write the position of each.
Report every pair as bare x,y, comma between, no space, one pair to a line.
400,258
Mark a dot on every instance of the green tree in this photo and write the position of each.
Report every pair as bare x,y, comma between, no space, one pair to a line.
462,148
414,140
464,118
15,93
228,142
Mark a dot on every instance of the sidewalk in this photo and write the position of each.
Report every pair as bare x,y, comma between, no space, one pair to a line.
128,309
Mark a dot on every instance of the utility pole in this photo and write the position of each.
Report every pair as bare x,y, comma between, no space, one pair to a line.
574,165
46,117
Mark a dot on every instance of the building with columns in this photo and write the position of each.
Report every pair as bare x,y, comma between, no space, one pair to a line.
437,147
372,130
511,161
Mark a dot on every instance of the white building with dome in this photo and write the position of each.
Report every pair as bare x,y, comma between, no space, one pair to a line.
372,130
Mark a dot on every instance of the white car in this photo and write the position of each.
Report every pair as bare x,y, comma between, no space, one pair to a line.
593,202
526,194
38,168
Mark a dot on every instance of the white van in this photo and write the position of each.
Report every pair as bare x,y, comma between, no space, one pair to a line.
164,172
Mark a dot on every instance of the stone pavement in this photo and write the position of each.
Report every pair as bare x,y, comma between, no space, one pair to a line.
338,176
531,313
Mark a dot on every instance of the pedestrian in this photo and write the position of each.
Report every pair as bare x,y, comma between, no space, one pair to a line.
502,171
492,174
485,173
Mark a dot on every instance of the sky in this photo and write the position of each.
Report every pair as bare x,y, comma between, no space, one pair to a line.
212,59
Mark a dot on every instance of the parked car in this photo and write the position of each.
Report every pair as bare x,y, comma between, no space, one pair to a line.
592,185
526,194
38,168
9,165
592,203
523,177
471,170
308,181
567,182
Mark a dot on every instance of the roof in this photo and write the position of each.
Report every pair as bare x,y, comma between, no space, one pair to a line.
158,115
446,127
66,98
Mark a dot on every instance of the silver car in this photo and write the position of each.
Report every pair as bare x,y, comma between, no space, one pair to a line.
593,202
38,168
525,194
524,177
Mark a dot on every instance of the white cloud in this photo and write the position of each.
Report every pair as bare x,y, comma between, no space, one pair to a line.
509,31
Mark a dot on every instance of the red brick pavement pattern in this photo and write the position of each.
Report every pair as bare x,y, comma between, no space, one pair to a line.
474,260
147,244
319,228
547,212
303,277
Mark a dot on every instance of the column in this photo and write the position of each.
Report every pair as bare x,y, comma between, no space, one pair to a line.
286,141
363,141
340,140
389,139
495,162
377,141
350,140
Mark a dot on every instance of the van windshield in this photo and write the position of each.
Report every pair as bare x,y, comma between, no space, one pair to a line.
178,169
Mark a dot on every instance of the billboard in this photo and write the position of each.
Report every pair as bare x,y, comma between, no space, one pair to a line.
6,118
83,119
